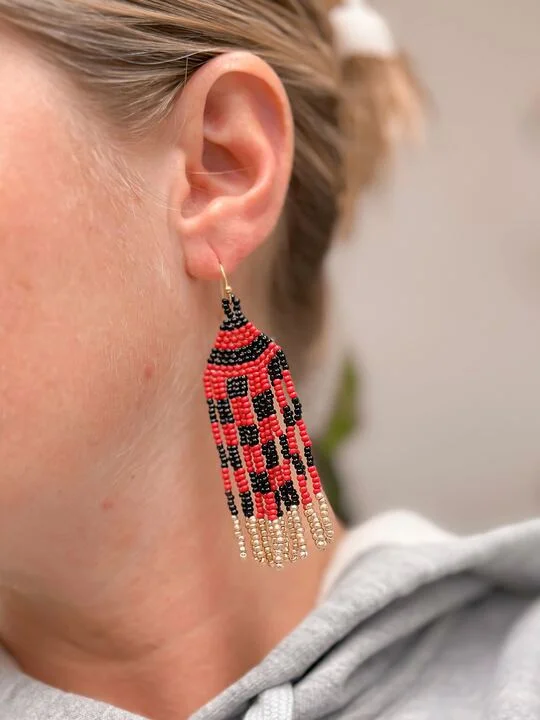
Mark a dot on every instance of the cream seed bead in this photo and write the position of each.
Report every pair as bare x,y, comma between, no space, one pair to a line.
325,516
266,541
277,542
286,540
293,537
240,538
300,536
256,544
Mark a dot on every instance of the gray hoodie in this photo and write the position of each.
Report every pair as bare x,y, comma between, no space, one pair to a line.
413,624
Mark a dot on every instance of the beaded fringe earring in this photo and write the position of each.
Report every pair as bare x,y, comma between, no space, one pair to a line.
246,374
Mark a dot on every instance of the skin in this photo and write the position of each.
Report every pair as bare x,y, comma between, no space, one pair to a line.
118,568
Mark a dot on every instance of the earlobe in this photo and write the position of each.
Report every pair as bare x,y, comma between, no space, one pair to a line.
236,133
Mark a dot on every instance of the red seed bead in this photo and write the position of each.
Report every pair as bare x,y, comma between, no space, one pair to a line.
289,384
271,507
259,505
315,480
286,471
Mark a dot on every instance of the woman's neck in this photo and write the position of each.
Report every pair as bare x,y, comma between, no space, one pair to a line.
175,619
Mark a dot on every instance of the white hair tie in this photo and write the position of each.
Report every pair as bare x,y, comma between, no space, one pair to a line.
361,30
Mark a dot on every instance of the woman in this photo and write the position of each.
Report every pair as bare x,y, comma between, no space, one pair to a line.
144,144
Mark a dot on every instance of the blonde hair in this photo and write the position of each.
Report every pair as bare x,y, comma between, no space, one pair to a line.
134,57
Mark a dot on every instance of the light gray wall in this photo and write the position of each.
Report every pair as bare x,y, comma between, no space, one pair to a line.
441,291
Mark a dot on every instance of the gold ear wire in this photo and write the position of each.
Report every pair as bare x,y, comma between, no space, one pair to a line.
226,288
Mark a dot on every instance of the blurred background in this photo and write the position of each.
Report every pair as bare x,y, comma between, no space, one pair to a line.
439,296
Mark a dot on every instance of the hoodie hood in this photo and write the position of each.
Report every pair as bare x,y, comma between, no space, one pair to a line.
415,624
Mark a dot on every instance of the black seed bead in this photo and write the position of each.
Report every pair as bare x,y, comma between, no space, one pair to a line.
249,435
288,416
225,412
212,410
277,495
238,322
285,449
231,503
297,409
263,405
254,478
308,452
236,318
285,497
237,386
283,360
227,309
275,371
260,482
247,504
298,464
264,483
270,452
223,456
238,312
261,344
236,305
234,457
292,493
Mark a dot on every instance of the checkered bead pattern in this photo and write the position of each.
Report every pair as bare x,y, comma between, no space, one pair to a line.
272,486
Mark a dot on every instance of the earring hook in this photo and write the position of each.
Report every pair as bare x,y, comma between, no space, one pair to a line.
226,288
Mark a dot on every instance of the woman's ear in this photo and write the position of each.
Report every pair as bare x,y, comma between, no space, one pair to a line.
234,127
